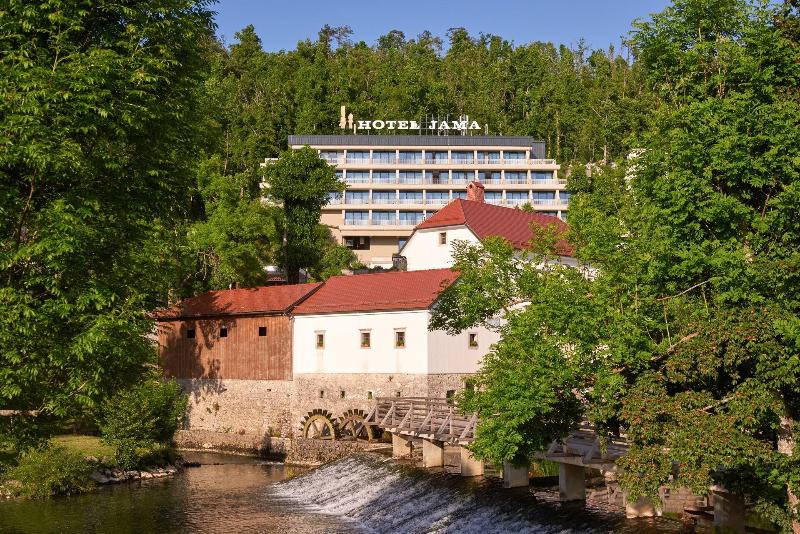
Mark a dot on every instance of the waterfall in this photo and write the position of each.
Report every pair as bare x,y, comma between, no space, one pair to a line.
383,496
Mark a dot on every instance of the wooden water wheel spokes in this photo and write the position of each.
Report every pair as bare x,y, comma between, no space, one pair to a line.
319,424
351,426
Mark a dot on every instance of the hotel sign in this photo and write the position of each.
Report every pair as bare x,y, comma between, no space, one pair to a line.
463,124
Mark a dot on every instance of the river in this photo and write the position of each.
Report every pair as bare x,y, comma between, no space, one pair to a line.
366,493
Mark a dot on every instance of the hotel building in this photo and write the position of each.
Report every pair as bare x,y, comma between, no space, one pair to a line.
394,182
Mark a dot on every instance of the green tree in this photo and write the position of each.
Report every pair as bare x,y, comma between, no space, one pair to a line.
98,109
300,181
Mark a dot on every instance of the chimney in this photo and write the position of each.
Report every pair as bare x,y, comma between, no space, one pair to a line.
475,191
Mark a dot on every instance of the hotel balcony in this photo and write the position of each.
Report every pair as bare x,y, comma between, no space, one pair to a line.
341,161
456,181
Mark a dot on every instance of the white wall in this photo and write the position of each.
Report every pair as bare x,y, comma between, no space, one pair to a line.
425,352
343,352
452,354
423,250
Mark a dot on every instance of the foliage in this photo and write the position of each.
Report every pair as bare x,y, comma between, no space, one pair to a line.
300,181
98,113
51,470
335,257
135,420
685,333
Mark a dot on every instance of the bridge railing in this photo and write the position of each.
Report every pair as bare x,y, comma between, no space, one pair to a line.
430,418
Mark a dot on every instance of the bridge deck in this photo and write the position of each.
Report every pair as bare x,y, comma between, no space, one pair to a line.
434,419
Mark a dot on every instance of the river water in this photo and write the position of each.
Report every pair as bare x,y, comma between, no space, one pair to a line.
366,493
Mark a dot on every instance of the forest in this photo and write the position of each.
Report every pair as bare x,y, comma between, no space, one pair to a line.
131,176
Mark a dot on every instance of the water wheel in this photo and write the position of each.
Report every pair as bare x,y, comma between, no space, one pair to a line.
351,427
319,424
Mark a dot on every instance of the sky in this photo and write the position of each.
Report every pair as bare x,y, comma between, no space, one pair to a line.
280,24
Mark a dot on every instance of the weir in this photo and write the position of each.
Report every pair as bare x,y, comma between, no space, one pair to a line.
438,422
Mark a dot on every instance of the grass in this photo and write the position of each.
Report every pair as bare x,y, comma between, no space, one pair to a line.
86,445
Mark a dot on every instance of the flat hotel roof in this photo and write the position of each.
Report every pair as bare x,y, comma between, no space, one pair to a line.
417,140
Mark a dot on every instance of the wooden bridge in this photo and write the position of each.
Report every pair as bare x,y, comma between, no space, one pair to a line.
421,417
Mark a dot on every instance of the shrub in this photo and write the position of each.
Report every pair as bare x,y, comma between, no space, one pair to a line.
137,419
50,470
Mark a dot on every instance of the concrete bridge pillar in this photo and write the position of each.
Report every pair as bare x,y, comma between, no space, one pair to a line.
470,466
432,453
401,447
728,510
571,482
515,477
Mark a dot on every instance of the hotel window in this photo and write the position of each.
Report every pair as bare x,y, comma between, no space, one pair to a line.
517,198
488,157
383,218
437,197
516,177
357,157
473,340
550,213
459,194
383,197
488,177
334,197
541,176
190,333
410,157
401,242
563,215
410,177
383,157
340,175
462,177
262,331
356,197
357,177
400,339
331,156
356,217
320,340
462,157
412,218
365,339
384,177
357,242
436,177
493,197
442,238
410,197
544,197
565,196
223,332
437,157
513,156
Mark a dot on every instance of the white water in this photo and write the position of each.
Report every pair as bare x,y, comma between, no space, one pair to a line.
381,496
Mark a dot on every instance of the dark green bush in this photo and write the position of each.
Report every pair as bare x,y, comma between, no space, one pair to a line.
142,418
51,470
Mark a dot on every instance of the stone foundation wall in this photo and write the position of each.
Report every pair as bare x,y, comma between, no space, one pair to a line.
245,407
252,443
675,500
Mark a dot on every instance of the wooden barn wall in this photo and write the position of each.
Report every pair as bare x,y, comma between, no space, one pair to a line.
242,355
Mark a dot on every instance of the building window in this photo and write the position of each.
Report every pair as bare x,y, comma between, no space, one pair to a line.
442,238
320,340
401,242
190,333
341,394
357,242
223,332
370,396
365,340
322,394
400,339
262,331
450,394
473,340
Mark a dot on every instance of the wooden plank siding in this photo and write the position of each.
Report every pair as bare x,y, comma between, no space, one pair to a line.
242,355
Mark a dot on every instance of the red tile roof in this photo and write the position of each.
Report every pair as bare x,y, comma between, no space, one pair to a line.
489,220
258,300
402,290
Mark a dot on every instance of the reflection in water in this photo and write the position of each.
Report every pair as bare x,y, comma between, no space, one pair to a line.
229,498
363,493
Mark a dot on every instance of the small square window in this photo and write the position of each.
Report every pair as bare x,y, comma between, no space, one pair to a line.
473,341
262,331
320,341
223,332
190,333
450,393
396,393
365,340
400,339
369,395
341,394
322,394
442,238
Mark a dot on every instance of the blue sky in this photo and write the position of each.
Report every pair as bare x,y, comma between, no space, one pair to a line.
280,24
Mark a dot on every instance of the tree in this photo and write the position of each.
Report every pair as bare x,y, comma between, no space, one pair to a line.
98,111
300,181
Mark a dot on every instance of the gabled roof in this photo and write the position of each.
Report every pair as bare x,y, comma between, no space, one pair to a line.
255,301
391,291
486,220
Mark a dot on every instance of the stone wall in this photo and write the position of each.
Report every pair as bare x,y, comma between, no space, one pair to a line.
252,443
245,407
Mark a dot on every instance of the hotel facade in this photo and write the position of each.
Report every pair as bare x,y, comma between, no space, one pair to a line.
394,182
